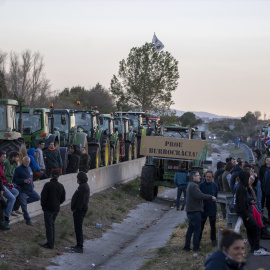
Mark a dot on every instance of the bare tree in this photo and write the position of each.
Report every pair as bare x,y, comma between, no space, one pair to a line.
257,114
3,57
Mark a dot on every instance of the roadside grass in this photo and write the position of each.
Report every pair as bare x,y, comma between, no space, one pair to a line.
20,244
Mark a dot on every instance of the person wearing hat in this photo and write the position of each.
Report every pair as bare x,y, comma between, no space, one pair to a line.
79,207
53,195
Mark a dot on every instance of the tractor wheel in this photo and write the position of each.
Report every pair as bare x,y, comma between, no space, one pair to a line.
139,147
111,156
64,156
94,153
105,150
117,152
148,177
134,149
128,151
15,145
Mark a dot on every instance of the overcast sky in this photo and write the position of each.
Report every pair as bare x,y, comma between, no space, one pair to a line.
222,46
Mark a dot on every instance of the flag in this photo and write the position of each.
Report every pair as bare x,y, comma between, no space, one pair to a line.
158,44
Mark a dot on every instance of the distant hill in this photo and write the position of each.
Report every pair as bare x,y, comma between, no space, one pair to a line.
204,114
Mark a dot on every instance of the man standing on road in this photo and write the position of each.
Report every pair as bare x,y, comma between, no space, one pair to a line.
23,177
194,209
53,159
210,207
79,207
53,195
181,181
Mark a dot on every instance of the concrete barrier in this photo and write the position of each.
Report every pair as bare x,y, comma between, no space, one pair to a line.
98,180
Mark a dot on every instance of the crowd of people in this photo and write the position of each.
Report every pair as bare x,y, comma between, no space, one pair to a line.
17,187
249,185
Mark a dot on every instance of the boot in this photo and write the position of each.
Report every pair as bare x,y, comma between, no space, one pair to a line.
183,207
265,234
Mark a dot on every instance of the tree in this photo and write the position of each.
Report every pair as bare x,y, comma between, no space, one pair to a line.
249,118
188,119
145,79
3,87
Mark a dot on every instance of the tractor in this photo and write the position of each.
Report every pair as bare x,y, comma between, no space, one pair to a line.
87,121
127,138
107,124
159,170
10,136
36,127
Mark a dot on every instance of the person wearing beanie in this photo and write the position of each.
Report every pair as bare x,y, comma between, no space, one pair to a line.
53,195
79,207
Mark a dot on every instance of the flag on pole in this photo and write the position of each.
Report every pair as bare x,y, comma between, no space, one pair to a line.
158,44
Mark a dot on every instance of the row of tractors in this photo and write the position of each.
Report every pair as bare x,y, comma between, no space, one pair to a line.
107,138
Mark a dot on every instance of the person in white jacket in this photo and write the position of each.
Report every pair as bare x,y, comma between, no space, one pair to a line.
39,159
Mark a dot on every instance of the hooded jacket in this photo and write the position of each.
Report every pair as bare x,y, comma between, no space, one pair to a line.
221,261
209,207
33,165
74,162
80,198
242,207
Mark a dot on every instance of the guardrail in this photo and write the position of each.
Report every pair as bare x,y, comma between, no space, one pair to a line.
98,180
248,152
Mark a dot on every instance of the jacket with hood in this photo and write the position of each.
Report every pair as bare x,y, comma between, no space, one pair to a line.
39,159
210,207
221,261
181,177
225,183
235,173
80,198
53,158
74,162
194,198
9,169
33,165
242,206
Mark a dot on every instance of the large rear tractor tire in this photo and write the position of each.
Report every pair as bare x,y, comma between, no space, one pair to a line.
94,153
135,149
15,145
128,151
117,152
148,177
105,150
139,147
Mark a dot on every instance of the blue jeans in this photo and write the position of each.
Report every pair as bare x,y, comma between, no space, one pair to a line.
181,188
25,199
194,227
10,195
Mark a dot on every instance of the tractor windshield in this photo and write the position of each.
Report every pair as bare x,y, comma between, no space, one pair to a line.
31,123
60,124
3,117
176,134
83,120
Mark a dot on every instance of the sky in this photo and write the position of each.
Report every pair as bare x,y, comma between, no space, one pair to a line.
223,47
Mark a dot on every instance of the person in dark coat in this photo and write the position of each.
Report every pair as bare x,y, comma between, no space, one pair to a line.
244,210
236,170
53,195
79,207
209,207
230,255
84,161
73,160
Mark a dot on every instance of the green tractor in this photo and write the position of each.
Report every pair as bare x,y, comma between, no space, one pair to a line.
107,124
62,123
159,171
87,121
36,127
127,138
10,136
